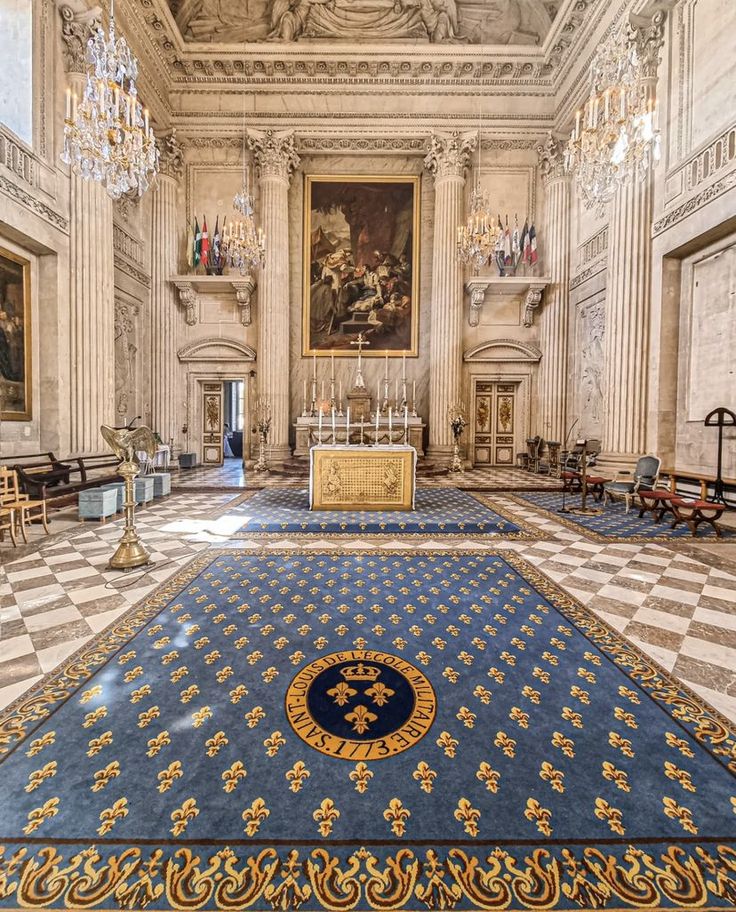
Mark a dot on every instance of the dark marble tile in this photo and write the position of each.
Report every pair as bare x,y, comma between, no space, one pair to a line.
714,677
53,636
668,605
655,636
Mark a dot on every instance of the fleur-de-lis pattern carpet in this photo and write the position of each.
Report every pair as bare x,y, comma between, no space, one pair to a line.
366,731
440,511
613,522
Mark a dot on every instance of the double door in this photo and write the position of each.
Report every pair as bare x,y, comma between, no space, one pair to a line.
494,423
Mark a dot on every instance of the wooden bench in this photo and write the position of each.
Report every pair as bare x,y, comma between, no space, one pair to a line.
703,480
43,476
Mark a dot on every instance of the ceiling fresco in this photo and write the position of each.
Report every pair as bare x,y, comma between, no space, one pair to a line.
487,22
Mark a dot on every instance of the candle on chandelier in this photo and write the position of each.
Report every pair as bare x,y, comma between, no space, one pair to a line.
145,119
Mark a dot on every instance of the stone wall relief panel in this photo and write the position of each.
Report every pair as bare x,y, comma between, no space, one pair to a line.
127,357
588,368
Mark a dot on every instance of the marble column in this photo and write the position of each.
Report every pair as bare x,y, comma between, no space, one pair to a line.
275,158
91,287
165,317
554,318
628,289
447,161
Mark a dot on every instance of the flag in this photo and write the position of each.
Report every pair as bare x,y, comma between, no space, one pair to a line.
190,245
197,253
205,247
216,241
533,246
507,243
525,242
515,245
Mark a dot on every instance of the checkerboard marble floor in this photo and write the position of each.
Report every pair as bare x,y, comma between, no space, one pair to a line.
676,602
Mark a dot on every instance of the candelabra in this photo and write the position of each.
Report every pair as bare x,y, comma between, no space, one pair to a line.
263,425
243,245
476,240
107,134
458,423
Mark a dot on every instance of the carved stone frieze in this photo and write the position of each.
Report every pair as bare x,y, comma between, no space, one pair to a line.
274,151
76,30
695,202
449,154
35,205
125,353
552,159
16,158
171,154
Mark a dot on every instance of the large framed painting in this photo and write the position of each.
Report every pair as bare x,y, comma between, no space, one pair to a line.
15,337
361,265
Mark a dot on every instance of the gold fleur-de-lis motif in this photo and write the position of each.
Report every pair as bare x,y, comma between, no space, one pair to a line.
400,643
623,744
630,694
397,815
223,674
508,657
162,643
425,776
169,657
361,717
134,673
38,815
592,658
626,717
230,629
94,716
126,657
483,694
297,776
552,775
159,741
176,674
296,657
380,693
189,693
569,715
90,694
167,777
361,776
137,695
466,716
617,776
465,657
342,693
147,716
488,776
534,696
518,715
241,642
469,816
611,815
38,744
424,658
539,815
448,744
451,675
39,776
541,675
680,743
586,675
325,816
237,693
273,743
270,674
200,716
255,716
215,744
682,776
498,676
281,642
105,775
182,816
110,816
201,642
566,745
580,694
507,745
95,745
212,657
232,776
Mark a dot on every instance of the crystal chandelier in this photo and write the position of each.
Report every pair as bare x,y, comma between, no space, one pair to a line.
476,239
107,135
615,139
244,245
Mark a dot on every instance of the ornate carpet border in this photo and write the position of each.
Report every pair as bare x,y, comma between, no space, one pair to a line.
611,539
527,531
687,709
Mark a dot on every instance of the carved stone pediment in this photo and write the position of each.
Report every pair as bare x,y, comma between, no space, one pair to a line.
503,350
216,350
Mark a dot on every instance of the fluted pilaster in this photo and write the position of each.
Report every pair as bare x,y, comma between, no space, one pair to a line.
627,322
554,319
275,158
447,161
165,318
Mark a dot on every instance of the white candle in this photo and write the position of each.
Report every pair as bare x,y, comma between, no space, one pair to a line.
347,426
334,439
378,417
406,424
390,424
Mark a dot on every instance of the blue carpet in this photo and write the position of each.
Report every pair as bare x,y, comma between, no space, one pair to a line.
614,522
445,511
435,731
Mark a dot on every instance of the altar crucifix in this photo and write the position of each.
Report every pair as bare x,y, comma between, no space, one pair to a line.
360,342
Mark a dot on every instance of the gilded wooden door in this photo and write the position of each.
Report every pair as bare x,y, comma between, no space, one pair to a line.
212,423
494,417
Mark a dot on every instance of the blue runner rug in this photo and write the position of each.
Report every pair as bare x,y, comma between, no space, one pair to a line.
444,511
435,731
614,522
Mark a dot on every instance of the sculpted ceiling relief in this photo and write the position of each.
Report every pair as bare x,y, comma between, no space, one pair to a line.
520,22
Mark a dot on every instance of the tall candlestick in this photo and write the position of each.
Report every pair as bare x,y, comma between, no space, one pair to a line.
406,424
314,366
340,386
332,364
378,418
334,438
319,427
347,426
390,424
378,397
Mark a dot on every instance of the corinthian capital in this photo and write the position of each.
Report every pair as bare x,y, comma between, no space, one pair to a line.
274,152
171,154
449,154
76,30
647,36
551,158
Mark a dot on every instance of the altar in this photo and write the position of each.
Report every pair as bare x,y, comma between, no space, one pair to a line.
343,477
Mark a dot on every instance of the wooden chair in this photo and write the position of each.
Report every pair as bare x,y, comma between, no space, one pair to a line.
626,486
18,508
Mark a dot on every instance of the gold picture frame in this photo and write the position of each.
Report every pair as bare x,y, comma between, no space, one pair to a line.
361,265
15,337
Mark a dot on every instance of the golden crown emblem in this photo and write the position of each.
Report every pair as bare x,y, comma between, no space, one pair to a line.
360,672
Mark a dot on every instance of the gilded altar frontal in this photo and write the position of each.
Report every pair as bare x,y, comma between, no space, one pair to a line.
368,455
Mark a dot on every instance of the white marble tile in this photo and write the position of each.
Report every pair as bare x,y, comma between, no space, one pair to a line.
14,647
54,618
675,595
622,594
707,651
52,656
11,692
662,619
